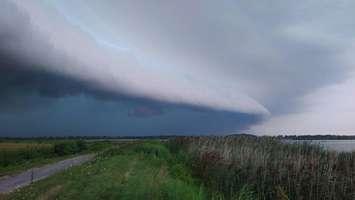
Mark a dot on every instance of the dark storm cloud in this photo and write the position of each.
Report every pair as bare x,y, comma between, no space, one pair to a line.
39,97
223,65
38,103
79,115
48,41
20,82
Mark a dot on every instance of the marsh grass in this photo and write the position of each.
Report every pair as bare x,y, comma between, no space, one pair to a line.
267,168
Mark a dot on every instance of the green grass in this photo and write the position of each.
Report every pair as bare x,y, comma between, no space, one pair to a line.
136,171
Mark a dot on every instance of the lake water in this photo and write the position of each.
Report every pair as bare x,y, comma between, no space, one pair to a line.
337,145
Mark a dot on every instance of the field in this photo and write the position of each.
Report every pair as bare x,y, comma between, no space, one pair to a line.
218,168
15,146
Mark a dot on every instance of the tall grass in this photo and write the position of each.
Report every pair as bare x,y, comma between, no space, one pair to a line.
268,168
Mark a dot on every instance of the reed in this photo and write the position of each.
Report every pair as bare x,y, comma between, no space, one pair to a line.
272,169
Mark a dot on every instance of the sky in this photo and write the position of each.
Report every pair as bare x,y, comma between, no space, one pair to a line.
129,67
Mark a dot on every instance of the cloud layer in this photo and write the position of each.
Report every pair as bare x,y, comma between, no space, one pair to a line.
158,66
58,47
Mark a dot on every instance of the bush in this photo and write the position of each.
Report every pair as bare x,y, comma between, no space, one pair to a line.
70,147
82,145
25,152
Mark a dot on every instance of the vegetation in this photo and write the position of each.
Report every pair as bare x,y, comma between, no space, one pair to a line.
70,147
145,170
19,155
266,168
317,137
218,168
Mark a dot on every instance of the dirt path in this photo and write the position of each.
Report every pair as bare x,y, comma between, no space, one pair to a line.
8,184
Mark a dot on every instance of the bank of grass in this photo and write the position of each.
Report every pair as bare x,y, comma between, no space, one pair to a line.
16,156
268,169
141,170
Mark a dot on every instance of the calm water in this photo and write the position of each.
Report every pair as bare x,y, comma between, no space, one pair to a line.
337,145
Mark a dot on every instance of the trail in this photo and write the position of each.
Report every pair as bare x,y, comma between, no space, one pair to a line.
8,184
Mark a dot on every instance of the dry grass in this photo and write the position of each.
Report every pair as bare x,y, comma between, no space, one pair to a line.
275,170
14,146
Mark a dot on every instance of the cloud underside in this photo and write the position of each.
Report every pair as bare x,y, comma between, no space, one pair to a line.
38,97
131,67
86,116
62,82
40,103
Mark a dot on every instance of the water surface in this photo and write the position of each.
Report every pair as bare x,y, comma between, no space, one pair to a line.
337,145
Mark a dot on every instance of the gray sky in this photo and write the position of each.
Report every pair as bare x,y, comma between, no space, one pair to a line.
176,67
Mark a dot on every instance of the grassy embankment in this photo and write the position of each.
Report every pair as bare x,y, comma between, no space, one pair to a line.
269,169
16,156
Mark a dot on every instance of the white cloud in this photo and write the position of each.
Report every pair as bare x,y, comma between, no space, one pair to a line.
328,110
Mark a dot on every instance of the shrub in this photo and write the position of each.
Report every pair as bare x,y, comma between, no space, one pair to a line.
16,154
70,147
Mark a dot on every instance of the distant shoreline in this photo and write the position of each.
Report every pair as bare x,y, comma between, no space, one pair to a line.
282,137
317,137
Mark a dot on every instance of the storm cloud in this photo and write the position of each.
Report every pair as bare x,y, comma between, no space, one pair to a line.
201,67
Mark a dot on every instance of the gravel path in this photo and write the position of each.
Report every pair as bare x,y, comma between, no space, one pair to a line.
8,184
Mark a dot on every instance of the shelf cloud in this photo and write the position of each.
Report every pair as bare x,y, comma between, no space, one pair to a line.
201,67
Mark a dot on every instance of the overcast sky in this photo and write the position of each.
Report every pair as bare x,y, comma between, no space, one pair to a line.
129,67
